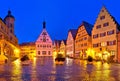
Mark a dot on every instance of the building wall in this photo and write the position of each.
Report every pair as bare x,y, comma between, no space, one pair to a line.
104,45
28,49
56,47
63,48
82,43
118,47
9,47
70,46
44,44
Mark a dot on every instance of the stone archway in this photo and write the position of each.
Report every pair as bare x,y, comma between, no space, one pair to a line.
8,51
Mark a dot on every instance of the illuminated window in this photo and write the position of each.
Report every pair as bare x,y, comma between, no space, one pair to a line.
110,32
109,43
103,44
102,34
95,36
105,24
98,26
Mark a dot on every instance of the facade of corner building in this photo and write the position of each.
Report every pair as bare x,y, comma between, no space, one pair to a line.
56,47
70,43
118,46
104,36
63,48
28,49
44,43
83,41
9,48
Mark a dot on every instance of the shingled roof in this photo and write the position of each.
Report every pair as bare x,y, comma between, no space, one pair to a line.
87,26
73,32
57,42
64,42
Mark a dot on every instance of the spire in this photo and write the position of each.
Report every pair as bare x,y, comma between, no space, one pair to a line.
44,24
9,12
9,15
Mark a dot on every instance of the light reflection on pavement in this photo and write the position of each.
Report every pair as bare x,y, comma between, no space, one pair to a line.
45,69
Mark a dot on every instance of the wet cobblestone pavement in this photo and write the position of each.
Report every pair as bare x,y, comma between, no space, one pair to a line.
45,69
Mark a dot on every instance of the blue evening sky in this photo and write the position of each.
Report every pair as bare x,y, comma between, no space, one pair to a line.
60,15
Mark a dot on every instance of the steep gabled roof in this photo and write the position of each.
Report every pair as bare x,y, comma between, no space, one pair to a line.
57,42
64,42
0,18
104,8
87,26
44,35
73,32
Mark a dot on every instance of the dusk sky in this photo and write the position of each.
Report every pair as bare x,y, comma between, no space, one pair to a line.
60,15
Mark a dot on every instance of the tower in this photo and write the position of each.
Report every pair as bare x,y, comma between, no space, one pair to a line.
9,21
